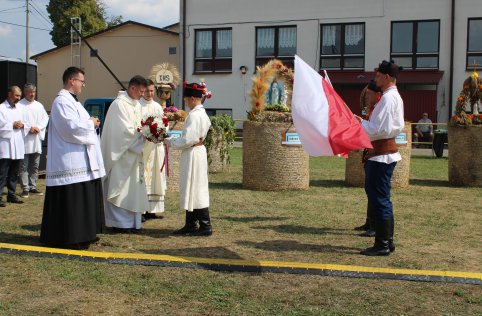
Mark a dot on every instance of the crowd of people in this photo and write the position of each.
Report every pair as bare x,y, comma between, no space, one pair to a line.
116,180
96,184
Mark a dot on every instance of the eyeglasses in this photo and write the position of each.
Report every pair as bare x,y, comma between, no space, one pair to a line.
83,82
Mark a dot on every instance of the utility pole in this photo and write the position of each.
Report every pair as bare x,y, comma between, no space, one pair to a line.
27,43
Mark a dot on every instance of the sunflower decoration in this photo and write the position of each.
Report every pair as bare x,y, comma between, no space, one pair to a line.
272,72
471,94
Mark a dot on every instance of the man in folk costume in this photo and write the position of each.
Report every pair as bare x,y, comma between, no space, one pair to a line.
13,128
73,209
369,99
385,123
38,120
153,154
194,164
125,193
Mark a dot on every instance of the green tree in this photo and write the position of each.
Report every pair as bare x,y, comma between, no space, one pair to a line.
92,12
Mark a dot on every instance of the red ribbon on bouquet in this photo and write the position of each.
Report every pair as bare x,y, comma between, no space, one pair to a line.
165,163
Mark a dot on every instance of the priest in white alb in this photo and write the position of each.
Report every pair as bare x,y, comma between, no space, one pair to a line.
125,193
153,155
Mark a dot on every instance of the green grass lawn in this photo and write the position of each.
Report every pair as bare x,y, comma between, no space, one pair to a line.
438,227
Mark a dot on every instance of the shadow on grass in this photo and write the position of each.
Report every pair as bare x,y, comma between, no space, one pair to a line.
292,245
198,252
254,219
296,229
226,185
32,228
328,183
12,238
430,183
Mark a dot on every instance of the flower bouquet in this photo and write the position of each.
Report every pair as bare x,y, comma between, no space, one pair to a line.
174,114
154,128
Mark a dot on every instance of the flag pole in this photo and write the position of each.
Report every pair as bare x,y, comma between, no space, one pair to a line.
327,78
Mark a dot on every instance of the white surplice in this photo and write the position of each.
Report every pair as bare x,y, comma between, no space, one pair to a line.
73,148
125,193
11,139
37,117
153,163
194,163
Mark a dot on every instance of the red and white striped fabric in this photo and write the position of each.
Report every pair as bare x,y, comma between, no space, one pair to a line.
326,126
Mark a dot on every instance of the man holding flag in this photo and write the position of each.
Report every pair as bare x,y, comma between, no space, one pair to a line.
384,124
327,127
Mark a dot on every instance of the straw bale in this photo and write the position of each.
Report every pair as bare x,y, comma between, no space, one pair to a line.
216,163
269,166
465,152
355,173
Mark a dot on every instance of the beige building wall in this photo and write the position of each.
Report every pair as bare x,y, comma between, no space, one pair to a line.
128,50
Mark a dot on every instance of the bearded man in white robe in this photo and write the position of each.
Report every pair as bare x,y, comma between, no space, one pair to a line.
125,193
194,189
154,166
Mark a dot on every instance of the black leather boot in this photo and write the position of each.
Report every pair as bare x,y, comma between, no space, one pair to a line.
190,226
370,231
380,248
205,227
391,243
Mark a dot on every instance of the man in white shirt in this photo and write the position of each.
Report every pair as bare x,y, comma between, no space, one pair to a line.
194,164
384,124
13,128
125,192
38,119
153,155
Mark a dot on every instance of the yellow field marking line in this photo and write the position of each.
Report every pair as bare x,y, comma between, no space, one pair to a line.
243,263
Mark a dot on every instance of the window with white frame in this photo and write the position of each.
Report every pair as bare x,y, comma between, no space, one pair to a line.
342,46
275,42
213,50
415,44
474,44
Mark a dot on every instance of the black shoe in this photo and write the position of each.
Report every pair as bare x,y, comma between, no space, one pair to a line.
117,230
368,233
2,204
190,226
152,216
35,191
14,200
391,245
203,232
365,226
186,230
379,249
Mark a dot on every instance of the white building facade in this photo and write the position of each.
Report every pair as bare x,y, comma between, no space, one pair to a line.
439,43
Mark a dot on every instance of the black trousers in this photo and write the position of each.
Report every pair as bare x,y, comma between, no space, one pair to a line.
9,170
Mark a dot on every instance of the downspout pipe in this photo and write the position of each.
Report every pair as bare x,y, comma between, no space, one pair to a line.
183,48
451,70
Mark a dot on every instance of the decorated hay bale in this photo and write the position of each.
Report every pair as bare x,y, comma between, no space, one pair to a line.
465,152
267,164
355,173
174,160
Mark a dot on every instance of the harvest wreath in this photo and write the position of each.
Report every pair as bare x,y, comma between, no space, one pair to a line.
264,76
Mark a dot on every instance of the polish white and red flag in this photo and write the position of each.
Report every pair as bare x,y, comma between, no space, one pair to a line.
324,123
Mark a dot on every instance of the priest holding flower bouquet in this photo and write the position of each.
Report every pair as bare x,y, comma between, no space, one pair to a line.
194,164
